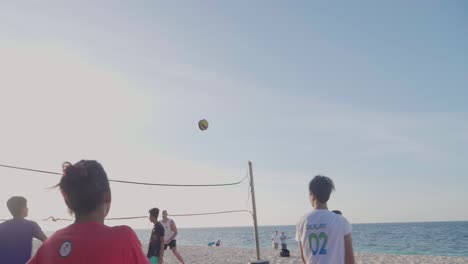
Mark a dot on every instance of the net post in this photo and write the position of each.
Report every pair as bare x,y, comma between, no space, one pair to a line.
254,215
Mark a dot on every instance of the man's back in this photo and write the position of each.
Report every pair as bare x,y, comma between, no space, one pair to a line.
16,240
321,234
91,243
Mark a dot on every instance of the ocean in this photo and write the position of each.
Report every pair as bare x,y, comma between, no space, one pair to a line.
430,238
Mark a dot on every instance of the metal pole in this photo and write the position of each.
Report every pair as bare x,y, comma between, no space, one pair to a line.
252,189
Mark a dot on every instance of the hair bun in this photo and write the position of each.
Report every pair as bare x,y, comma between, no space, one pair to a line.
65,165
75,171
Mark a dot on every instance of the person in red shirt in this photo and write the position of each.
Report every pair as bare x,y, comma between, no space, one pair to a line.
86,191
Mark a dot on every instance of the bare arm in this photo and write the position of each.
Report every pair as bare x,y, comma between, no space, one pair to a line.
302,253
349,253
41,236
161,250
174,229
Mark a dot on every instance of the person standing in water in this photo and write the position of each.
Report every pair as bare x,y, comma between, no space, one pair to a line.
170,231
275,239
283,241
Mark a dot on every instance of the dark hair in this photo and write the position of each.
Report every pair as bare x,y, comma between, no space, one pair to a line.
337,212
321,187
84,185
154,212
15,204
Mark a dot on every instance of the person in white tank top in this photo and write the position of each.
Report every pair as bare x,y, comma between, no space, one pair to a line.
170,234
324,237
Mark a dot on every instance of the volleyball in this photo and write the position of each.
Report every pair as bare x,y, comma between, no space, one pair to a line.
203,124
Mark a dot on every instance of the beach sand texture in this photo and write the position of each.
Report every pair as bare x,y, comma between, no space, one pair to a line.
218,255
212,255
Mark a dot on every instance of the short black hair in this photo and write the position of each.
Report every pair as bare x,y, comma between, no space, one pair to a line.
154,212
321,187
84,184
16,204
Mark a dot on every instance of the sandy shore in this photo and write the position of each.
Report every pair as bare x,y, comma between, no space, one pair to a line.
216,255
209,255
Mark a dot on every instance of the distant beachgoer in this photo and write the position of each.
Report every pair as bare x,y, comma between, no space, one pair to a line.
217,243
337,212
86,191
323,236
275,240
283,241
16,234
156,244
170,229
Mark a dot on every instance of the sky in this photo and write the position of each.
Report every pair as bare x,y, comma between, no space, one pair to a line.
371,94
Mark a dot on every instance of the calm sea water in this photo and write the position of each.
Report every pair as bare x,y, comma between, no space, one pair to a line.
436,238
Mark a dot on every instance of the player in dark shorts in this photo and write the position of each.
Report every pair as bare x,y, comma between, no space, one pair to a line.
171,233
171,245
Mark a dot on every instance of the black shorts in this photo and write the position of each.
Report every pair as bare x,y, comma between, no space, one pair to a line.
171,244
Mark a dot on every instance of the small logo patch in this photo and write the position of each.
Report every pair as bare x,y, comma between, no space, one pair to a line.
65,249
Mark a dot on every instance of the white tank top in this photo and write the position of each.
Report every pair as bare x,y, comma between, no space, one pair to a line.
167,228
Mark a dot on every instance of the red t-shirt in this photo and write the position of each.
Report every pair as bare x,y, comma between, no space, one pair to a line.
91,243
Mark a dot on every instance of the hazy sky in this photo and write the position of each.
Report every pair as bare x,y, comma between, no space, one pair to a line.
371,94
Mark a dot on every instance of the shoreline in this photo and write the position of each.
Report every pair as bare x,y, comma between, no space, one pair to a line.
232,255
289,225
228,255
